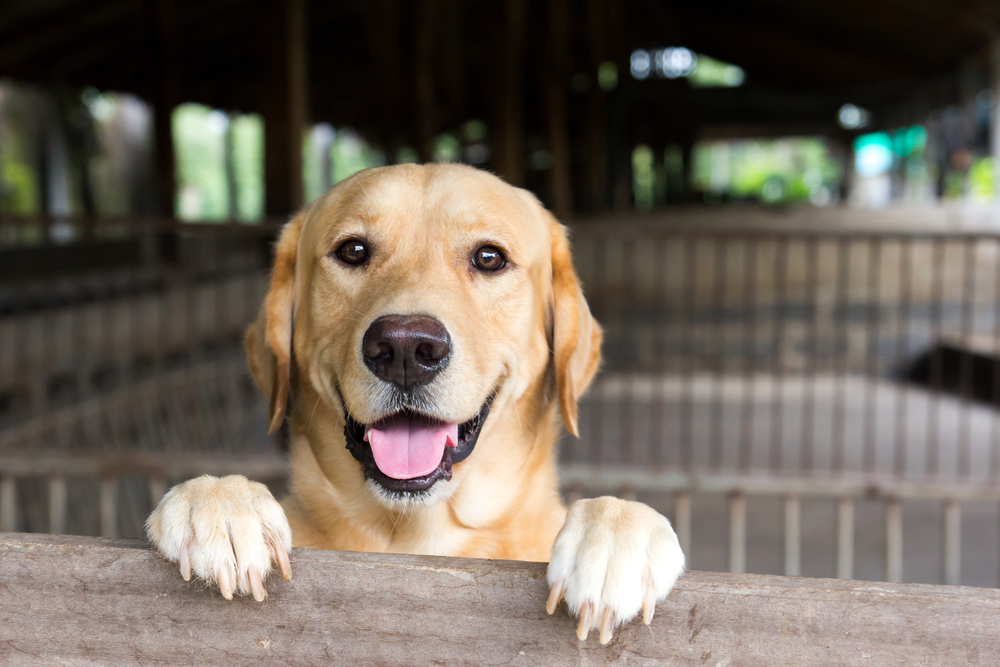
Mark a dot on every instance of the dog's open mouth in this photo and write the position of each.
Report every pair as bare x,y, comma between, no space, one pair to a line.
409,452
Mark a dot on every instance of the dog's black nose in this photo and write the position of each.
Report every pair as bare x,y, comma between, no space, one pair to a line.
406,350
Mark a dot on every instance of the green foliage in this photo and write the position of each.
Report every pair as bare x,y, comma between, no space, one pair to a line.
643,177
247,135
774,171
200,154
982,178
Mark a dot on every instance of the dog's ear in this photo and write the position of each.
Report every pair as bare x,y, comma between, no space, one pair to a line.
576,335
269,340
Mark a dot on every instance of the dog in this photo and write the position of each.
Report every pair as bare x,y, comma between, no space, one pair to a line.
423,332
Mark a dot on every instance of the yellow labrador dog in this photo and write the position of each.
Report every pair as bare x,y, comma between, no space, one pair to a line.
423,323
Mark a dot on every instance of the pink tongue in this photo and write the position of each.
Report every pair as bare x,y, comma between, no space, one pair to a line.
405,448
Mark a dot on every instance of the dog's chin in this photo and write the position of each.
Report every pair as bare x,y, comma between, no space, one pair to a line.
425,489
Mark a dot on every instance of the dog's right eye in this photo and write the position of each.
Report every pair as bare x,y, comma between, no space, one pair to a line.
352,252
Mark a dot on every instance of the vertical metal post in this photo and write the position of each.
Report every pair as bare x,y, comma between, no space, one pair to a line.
845,538
793,536
657,400
838,358
682,523
688,286
8,504
737,533
936,362
872,366
717,417
57,504
157,489
899,457
747,404
952,543
809,381
893,541
965,365
109,507
779,316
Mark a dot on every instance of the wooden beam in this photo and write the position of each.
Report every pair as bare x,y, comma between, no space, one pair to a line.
113,602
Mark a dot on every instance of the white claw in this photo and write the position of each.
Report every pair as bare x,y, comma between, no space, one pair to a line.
586,615
649,605
607,625
257,586
185,561
225,585
555,596
282,557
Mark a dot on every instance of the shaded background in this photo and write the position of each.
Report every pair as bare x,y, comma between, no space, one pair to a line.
784,213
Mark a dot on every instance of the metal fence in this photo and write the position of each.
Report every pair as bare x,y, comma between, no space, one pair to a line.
793,399
791,364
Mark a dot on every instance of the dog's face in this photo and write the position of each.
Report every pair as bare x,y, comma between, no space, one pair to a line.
423,299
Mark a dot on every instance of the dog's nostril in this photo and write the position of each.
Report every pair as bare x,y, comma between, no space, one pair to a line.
406,350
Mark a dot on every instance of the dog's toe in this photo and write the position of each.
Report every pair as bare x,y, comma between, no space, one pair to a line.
225,531
612,559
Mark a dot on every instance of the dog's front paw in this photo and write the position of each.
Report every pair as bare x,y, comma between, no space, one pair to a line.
225,530
612,558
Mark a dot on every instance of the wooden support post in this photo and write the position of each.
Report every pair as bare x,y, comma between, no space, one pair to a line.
952,543
597,150
390,609
893,541
426,29
509,138
166,96
57,504
560,180
737,533
682,522
793,537
845,538
284,100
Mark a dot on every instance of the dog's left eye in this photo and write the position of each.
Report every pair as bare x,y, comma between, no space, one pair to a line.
353,252
489,258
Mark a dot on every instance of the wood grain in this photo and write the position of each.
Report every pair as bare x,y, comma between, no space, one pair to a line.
89,601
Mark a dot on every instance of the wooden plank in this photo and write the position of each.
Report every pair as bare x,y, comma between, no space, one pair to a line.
69,600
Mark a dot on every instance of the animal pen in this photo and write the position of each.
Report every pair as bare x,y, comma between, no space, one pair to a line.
796,401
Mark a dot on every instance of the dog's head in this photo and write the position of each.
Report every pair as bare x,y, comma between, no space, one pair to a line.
415,301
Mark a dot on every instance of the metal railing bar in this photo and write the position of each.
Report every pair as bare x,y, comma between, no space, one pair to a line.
737,533
815,485
893,540
952,530
845,538
682,521
793,536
